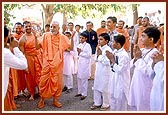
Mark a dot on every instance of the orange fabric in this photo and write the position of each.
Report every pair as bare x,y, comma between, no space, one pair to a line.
21,80
51,76
18,76
13,73
34,60
17,36
127,42
140,30
9,104
101,30
160,43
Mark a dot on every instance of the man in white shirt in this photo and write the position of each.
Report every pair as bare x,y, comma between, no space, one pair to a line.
16,60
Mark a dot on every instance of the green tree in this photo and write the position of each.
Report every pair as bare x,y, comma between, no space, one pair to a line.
7,9
70,11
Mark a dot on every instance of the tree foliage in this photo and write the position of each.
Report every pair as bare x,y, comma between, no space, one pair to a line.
7,9
70,11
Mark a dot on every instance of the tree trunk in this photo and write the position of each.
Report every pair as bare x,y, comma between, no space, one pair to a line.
135,13
64,18
48,12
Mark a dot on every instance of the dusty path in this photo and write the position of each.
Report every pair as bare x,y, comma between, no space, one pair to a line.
69,101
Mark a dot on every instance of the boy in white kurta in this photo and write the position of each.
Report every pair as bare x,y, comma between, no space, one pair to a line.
68,67
141,84
84,53
157,92
102,74
121,74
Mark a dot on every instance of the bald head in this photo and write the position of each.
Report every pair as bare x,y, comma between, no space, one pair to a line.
55,23
55,27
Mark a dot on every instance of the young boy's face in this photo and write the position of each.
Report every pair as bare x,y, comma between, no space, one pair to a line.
68,35
82,39
114,44
102,41
145,39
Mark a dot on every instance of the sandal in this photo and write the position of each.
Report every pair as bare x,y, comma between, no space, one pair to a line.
104,108
94,107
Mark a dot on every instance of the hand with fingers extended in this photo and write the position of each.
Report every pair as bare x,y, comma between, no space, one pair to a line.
157,56
110,56
137,53
79,50
99,52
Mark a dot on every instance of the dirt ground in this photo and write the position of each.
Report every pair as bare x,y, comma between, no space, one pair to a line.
69,101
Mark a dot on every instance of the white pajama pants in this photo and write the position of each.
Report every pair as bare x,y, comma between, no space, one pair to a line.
68,81
82,86
119,104
101,98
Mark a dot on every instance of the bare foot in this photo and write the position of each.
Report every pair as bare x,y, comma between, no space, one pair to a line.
41,103
57,104
31,98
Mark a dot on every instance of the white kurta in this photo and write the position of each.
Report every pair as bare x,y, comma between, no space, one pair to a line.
103,70
84,67
16,61
68,67
102,78
75,53
84,61
141,84
121,77
157,92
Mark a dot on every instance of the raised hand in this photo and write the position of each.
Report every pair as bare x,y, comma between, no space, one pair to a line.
99,52
110,56
157,56
79,50
137,53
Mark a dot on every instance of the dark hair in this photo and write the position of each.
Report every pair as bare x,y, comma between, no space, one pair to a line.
146,18
89,22
26,22
122,22
47,25
67,33
6,32
139,17
114,19
105,36
152,32
120,39
103,21
159,11
84,34
70,23
77,25
18,23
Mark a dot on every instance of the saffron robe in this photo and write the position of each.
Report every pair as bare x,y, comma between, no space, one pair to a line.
53,47
34,60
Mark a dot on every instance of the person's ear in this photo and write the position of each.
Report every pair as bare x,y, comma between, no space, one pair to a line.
151,39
